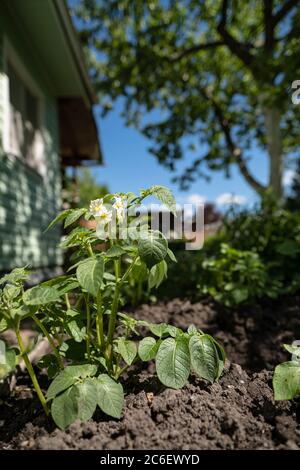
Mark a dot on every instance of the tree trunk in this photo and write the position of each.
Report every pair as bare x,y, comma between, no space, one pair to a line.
272,122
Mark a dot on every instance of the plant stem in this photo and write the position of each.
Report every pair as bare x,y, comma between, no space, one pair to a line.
51,342
112,325
77,303
99,321
90,250
31,371
114,311
68,305
88,327
121,371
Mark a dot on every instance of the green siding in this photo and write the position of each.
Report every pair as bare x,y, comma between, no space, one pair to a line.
27,201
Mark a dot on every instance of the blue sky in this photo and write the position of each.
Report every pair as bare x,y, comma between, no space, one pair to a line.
129,166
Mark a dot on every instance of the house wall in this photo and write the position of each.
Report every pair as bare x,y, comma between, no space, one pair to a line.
28,201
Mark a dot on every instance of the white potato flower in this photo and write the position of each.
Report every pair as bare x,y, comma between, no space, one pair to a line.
120,206
100,212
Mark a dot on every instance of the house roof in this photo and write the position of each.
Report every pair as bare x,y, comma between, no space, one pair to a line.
47,25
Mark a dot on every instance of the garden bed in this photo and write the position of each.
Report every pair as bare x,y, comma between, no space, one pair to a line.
237,413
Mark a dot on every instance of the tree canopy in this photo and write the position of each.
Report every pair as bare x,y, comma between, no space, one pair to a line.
212,77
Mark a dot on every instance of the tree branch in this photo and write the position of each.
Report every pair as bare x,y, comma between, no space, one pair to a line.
269,25
234,150
236,47
284,10
196,48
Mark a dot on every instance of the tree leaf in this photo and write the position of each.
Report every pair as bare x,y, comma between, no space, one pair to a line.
86,397
90,274
204,357
153,248
74,215
41,295
173,362
68,377
148,348
288,248
64,408
127,349
286,380
110,395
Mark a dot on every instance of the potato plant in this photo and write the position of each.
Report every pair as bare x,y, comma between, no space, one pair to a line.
93,342
286,379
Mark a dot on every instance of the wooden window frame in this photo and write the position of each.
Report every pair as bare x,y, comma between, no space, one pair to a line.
10,55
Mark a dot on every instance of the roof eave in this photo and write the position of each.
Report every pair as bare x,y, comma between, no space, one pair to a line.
75,48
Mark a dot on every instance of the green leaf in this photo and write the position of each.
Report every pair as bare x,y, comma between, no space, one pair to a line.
78,236
41,295
148,348
63,284
110,395
64,408
286,380
115,252
153,248
127,349
3,325
221,355
11,291
204,357
59,218
165,196
157,274
288,248
74,215
86,397
192,330
292,349
16,276
171,255
76,329
50,363
158,329
240,295
173,362
68,377
90,274
7,360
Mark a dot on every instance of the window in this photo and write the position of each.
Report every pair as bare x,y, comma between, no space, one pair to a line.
24,136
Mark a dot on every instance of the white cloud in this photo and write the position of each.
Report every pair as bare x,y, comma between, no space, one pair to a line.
227,199
195,199
288,177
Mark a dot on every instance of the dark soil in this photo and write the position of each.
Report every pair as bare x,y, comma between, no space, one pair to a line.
237,413
251,336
